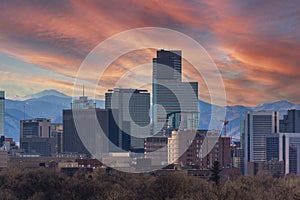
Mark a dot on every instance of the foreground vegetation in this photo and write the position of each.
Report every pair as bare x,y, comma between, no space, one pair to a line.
47,184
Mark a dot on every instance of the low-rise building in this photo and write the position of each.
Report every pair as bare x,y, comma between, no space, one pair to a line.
200,151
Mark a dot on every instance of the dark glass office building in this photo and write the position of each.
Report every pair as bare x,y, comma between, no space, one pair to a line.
290,122
88,126
39,146
170,94
130,108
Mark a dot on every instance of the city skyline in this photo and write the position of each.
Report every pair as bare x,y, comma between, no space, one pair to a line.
149,99
43,44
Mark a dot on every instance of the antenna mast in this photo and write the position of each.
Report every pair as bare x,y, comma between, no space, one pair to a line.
225,122
83,90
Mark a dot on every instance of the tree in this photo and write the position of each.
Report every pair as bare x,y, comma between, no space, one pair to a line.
215,177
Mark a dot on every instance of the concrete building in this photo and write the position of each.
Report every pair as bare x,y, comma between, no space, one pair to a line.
156,150
67,164
36,137
130,108
2,112
238,159
57,132
3,159
199,151
118,160
257,125
83,103
38,127
290,122
170,94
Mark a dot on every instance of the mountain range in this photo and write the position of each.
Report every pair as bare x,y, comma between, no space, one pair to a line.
50,103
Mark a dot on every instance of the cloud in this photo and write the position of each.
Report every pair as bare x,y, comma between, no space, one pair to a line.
258,43
255,44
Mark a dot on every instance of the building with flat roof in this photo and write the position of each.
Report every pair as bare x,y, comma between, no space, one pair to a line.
156,150
36,137
91,125
285,147
290,122
41,146
257,125
57,131
130,108
200,151
38,127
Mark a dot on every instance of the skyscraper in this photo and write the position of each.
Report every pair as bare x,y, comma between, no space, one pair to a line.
130,108
290,122
170,94
167,65
83,127
257,125
2,104
285,147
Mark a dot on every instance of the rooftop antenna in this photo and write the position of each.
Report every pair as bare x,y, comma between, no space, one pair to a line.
83,90
225,122
24,112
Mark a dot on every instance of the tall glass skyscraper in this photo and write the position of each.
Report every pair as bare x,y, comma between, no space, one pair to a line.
130,108
171,96
2,104
290,122
257,125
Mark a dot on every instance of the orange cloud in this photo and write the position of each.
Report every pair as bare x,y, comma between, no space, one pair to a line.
254,43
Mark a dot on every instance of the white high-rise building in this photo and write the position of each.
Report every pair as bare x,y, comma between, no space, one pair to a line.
257,125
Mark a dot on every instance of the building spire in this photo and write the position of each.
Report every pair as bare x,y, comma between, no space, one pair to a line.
83,90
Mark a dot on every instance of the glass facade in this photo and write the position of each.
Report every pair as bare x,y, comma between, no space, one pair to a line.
294,145
39,146
258,124
170,94
290,122
130,108
284,147
272,147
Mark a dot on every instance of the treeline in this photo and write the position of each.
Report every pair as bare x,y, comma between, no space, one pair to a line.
46,184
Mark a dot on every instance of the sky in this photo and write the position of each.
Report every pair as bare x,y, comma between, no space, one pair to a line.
255,44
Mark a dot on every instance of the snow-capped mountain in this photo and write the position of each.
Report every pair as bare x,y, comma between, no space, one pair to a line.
46,93
50,103
46,104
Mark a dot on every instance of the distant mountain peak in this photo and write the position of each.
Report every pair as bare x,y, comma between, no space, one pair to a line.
277,105
46,93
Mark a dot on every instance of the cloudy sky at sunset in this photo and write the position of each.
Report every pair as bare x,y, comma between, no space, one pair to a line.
255,44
